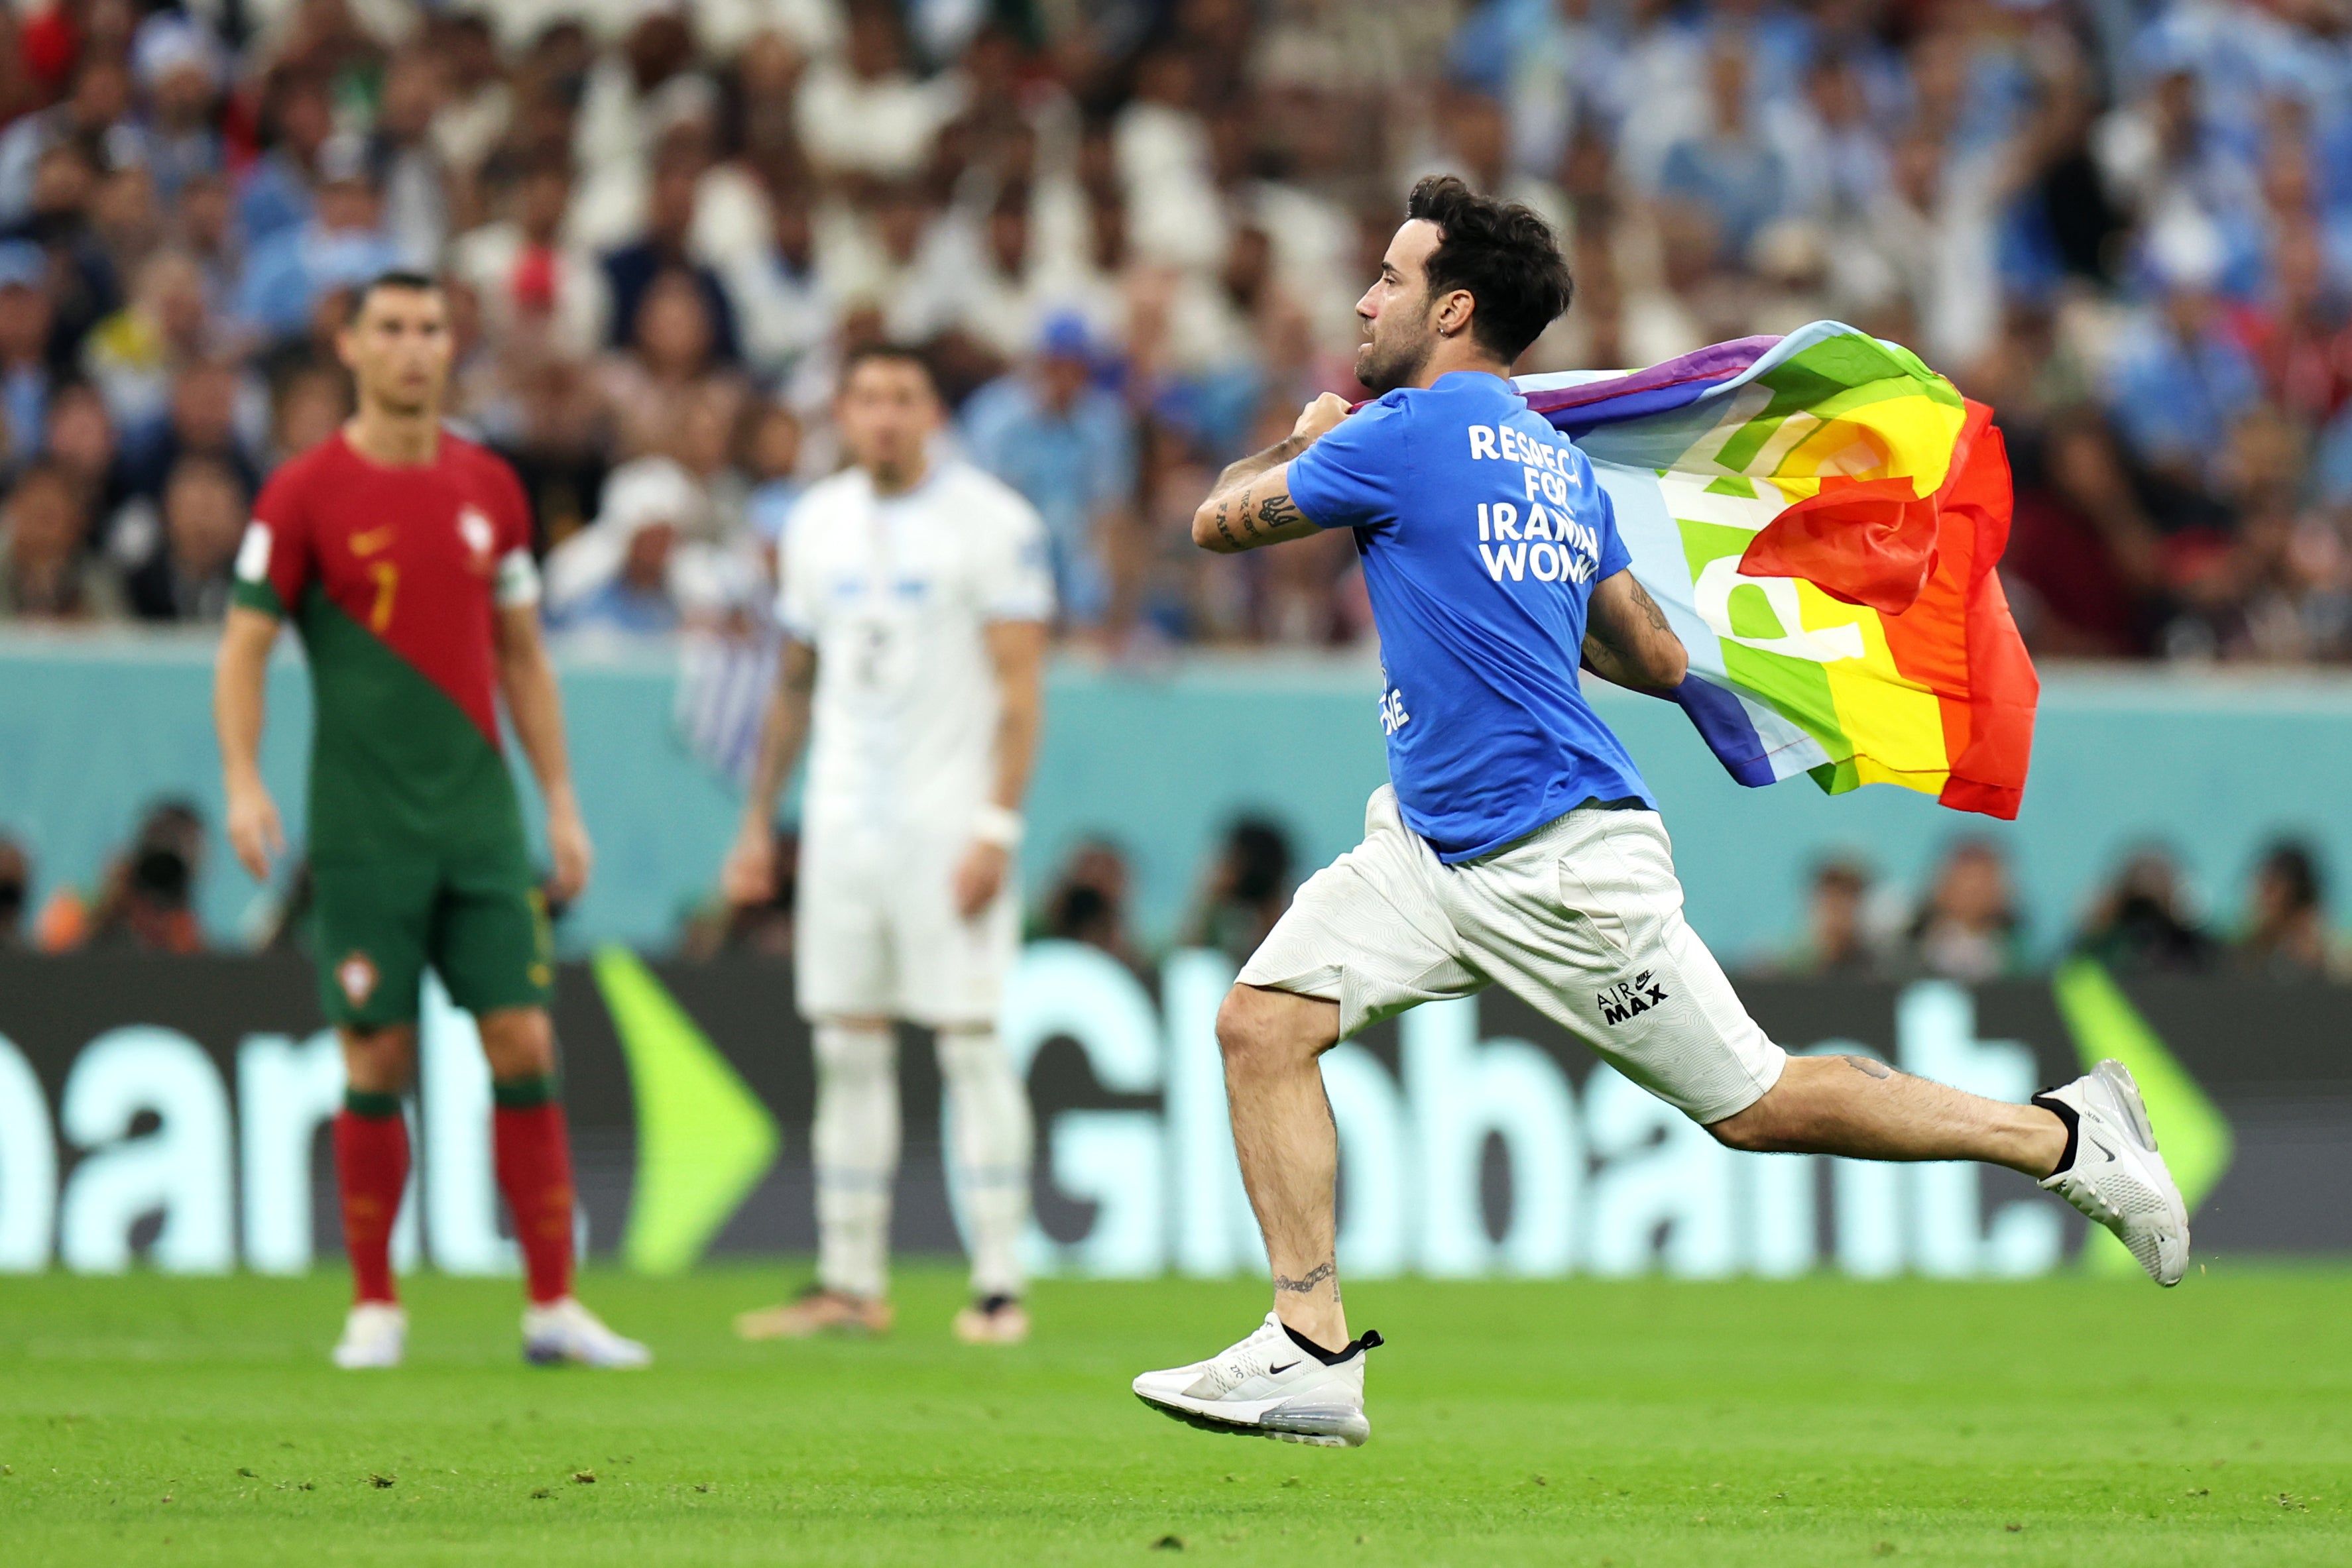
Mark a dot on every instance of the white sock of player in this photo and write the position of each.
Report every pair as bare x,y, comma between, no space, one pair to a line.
992,1134
855,1145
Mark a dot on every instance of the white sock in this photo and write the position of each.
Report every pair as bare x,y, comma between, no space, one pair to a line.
856,1148
989,1108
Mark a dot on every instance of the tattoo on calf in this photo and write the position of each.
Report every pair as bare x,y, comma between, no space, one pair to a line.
1323,1270
1868,1068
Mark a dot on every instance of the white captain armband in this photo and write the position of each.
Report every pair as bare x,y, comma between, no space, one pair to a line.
253,555
518,582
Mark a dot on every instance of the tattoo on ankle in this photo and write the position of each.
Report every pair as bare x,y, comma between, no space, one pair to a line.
1867,1067
1323,1270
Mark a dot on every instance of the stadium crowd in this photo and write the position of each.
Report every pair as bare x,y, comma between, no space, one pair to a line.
1130,233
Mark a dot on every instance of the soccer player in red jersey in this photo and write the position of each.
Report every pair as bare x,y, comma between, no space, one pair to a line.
402,554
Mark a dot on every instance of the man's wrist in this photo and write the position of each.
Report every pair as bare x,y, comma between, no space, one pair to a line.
998,825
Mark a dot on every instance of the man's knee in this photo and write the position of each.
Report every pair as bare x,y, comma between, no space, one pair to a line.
853,1048
519,1041
380,1061
1262,1031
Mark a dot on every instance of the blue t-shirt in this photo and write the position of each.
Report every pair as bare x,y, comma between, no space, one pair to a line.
1483,532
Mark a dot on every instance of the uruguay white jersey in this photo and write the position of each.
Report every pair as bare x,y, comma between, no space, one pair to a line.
894,593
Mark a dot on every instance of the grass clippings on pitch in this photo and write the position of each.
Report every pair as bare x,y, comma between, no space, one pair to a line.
2067,1421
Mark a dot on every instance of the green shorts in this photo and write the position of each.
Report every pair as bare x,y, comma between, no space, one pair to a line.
481,923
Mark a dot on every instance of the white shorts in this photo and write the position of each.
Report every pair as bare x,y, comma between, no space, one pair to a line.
877,932
1583,920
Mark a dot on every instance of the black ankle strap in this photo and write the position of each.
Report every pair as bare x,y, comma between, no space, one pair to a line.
1369,1339
2065,1113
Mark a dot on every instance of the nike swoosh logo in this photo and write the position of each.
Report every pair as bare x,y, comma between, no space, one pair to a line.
1278,1371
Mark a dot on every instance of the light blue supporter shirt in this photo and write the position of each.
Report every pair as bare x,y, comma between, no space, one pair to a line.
1483,532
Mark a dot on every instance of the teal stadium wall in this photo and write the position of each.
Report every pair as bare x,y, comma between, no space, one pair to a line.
1160,759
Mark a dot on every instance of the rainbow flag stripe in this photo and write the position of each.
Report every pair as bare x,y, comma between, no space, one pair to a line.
1820,516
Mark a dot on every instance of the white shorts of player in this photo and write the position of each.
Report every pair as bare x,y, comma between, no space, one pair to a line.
877,932
1583,920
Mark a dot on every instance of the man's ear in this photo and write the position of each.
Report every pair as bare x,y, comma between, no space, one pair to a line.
1454,313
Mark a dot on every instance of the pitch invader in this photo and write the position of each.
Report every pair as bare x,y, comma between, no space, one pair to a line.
402,554
915,600
1516,844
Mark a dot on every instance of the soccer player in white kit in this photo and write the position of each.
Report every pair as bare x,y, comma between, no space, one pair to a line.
915,600
1515,843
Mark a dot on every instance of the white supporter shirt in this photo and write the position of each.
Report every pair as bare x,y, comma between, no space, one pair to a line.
895,594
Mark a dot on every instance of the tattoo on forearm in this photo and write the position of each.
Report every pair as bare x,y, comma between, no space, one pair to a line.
1277,511
1246,469
1224,532
1323,1270
1868,1068
1650,607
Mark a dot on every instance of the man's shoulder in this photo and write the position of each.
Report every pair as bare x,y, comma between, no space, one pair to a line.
976,494
464,456
300,478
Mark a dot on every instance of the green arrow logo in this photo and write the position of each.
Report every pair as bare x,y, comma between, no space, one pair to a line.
2194,1134
703,1140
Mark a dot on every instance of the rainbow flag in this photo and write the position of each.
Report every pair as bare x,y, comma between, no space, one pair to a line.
1820,516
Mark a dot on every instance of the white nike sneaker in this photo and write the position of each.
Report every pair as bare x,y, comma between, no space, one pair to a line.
564,1330
1268,1385
374,1337
2116,1177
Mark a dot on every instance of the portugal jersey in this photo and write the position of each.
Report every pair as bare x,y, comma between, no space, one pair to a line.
394,577
896,593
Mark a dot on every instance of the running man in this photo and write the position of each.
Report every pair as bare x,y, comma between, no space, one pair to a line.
402,556
915,602
1516,844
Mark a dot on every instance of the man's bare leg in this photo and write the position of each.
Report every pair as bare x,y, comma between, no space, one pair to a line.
1288,1147
1860,1107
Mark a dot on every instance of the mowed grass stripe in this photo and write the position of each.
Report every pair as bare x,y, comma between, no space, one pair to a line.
1818,1421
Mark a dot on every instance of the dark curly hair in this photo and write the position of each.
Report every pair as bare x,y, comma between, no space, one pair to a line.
1502,253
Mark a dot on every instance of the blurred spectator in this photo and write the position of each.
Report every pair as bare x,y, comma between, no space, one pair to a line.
205,510
149,898
26,313
618,576
15,892
774,459
1088,902
100,101
1246,889
665,252
2084,565
341,243
1069,446
1838,942
180,69
1731,172
2286,935
274,194
863,113
2178,378
534,286
47,572
2141,923
673,354
1969,928
133,354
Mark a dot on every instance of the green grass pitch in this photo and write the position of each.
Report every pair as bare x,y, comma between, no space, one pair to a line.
2070,1421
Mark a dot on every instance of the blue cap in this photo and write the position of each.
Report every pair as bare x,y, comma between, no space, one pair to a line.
23,264
1065,336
